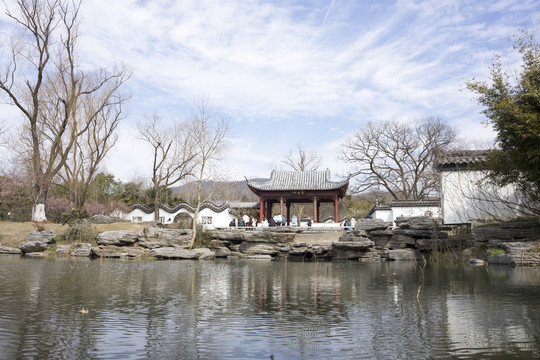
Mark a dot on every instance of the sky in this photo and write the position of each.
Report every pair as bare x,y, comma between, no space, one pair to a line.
287,72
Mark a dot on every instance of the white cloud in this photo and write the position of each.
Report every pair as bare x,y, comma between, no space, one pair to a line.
280,67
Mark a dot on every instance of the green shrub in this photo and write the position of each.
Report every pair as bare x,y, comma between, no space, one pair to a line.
495,252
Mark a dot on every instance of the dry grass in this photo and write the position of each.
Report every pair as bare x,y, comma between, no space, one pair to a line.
12,233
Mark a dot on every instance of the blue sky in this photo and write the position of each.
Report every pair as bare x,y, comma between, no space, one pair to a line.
289,72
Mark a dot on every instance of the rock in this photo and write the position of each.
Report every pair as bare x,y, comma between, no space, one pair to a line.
404,255
117,238
6,250
417,222
46,236
372,225
205,253
215,244
352,250
236,255
508,232
519,253
112,251
255,248
353,236
503,259
33,246
81,249
38,241
153,237
173,253
102,219
400,241
222,252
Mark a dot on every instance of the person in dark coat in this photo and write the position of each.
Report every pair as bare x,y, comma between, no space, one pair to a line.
271,222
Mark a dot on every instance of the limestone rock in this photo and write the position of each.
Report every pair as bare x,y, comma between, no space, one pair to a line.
112,251
519,253
372,225
81,249
6,250
153,237
117,238
355,235
173,253
205,253
256,248
38,241
222,252
352,250
417,222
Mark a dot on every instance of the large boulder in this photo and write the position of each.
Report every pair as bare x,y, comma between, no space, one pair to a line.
38,241
112,251
152,238
351,250
81,249
256,248
417,222
205,253
173,253
6,250
372,225
117,238
508,232
518,253
355,235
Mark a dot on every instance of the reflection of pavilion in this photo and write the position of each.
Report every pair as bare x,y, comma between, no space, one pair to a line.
288,187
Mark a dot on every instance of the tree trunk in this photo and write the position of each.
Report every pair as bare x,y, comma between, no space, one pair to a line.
38,209
194,224
156,202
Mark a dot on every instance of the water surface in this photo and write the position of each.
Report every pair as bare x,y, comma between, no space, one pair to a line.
254,309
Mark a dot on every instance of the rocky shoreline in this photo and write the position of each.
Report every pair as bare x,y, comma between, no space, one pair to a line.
412,239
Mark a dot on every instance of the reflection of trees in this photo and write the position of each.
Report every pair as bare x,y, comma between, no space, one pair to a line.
190,309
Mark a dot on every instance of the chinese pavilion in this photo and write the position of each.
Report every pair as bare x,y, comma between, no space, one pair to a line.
288,187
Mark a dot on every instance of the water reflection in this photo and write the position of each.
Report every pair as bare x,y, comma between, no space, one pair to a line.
250,309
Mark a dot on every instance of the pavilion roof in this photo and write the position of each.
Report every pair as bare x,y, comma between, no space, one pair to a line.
298,180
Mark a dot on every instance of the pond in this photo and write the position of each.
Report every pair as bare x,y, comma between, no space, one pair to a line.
245,309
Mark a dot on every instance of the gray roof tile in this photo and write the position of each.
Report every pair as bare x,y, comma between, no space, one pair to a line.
298,180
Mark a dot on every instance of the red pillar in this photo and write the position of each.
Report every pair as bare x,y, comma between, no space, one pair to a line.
336,208
261,209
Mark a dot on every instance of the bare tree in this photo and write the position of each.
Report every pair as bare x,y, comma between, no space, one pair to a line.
398,157
173,152
103,111
302,160
209,130
43,80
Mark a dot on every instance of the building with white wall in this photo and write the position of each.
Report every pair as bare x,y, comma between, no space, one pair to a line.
406,208
467,195
211,215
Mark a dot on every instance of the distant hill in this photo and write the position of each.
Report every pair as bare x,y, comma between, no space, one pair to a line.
219,190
